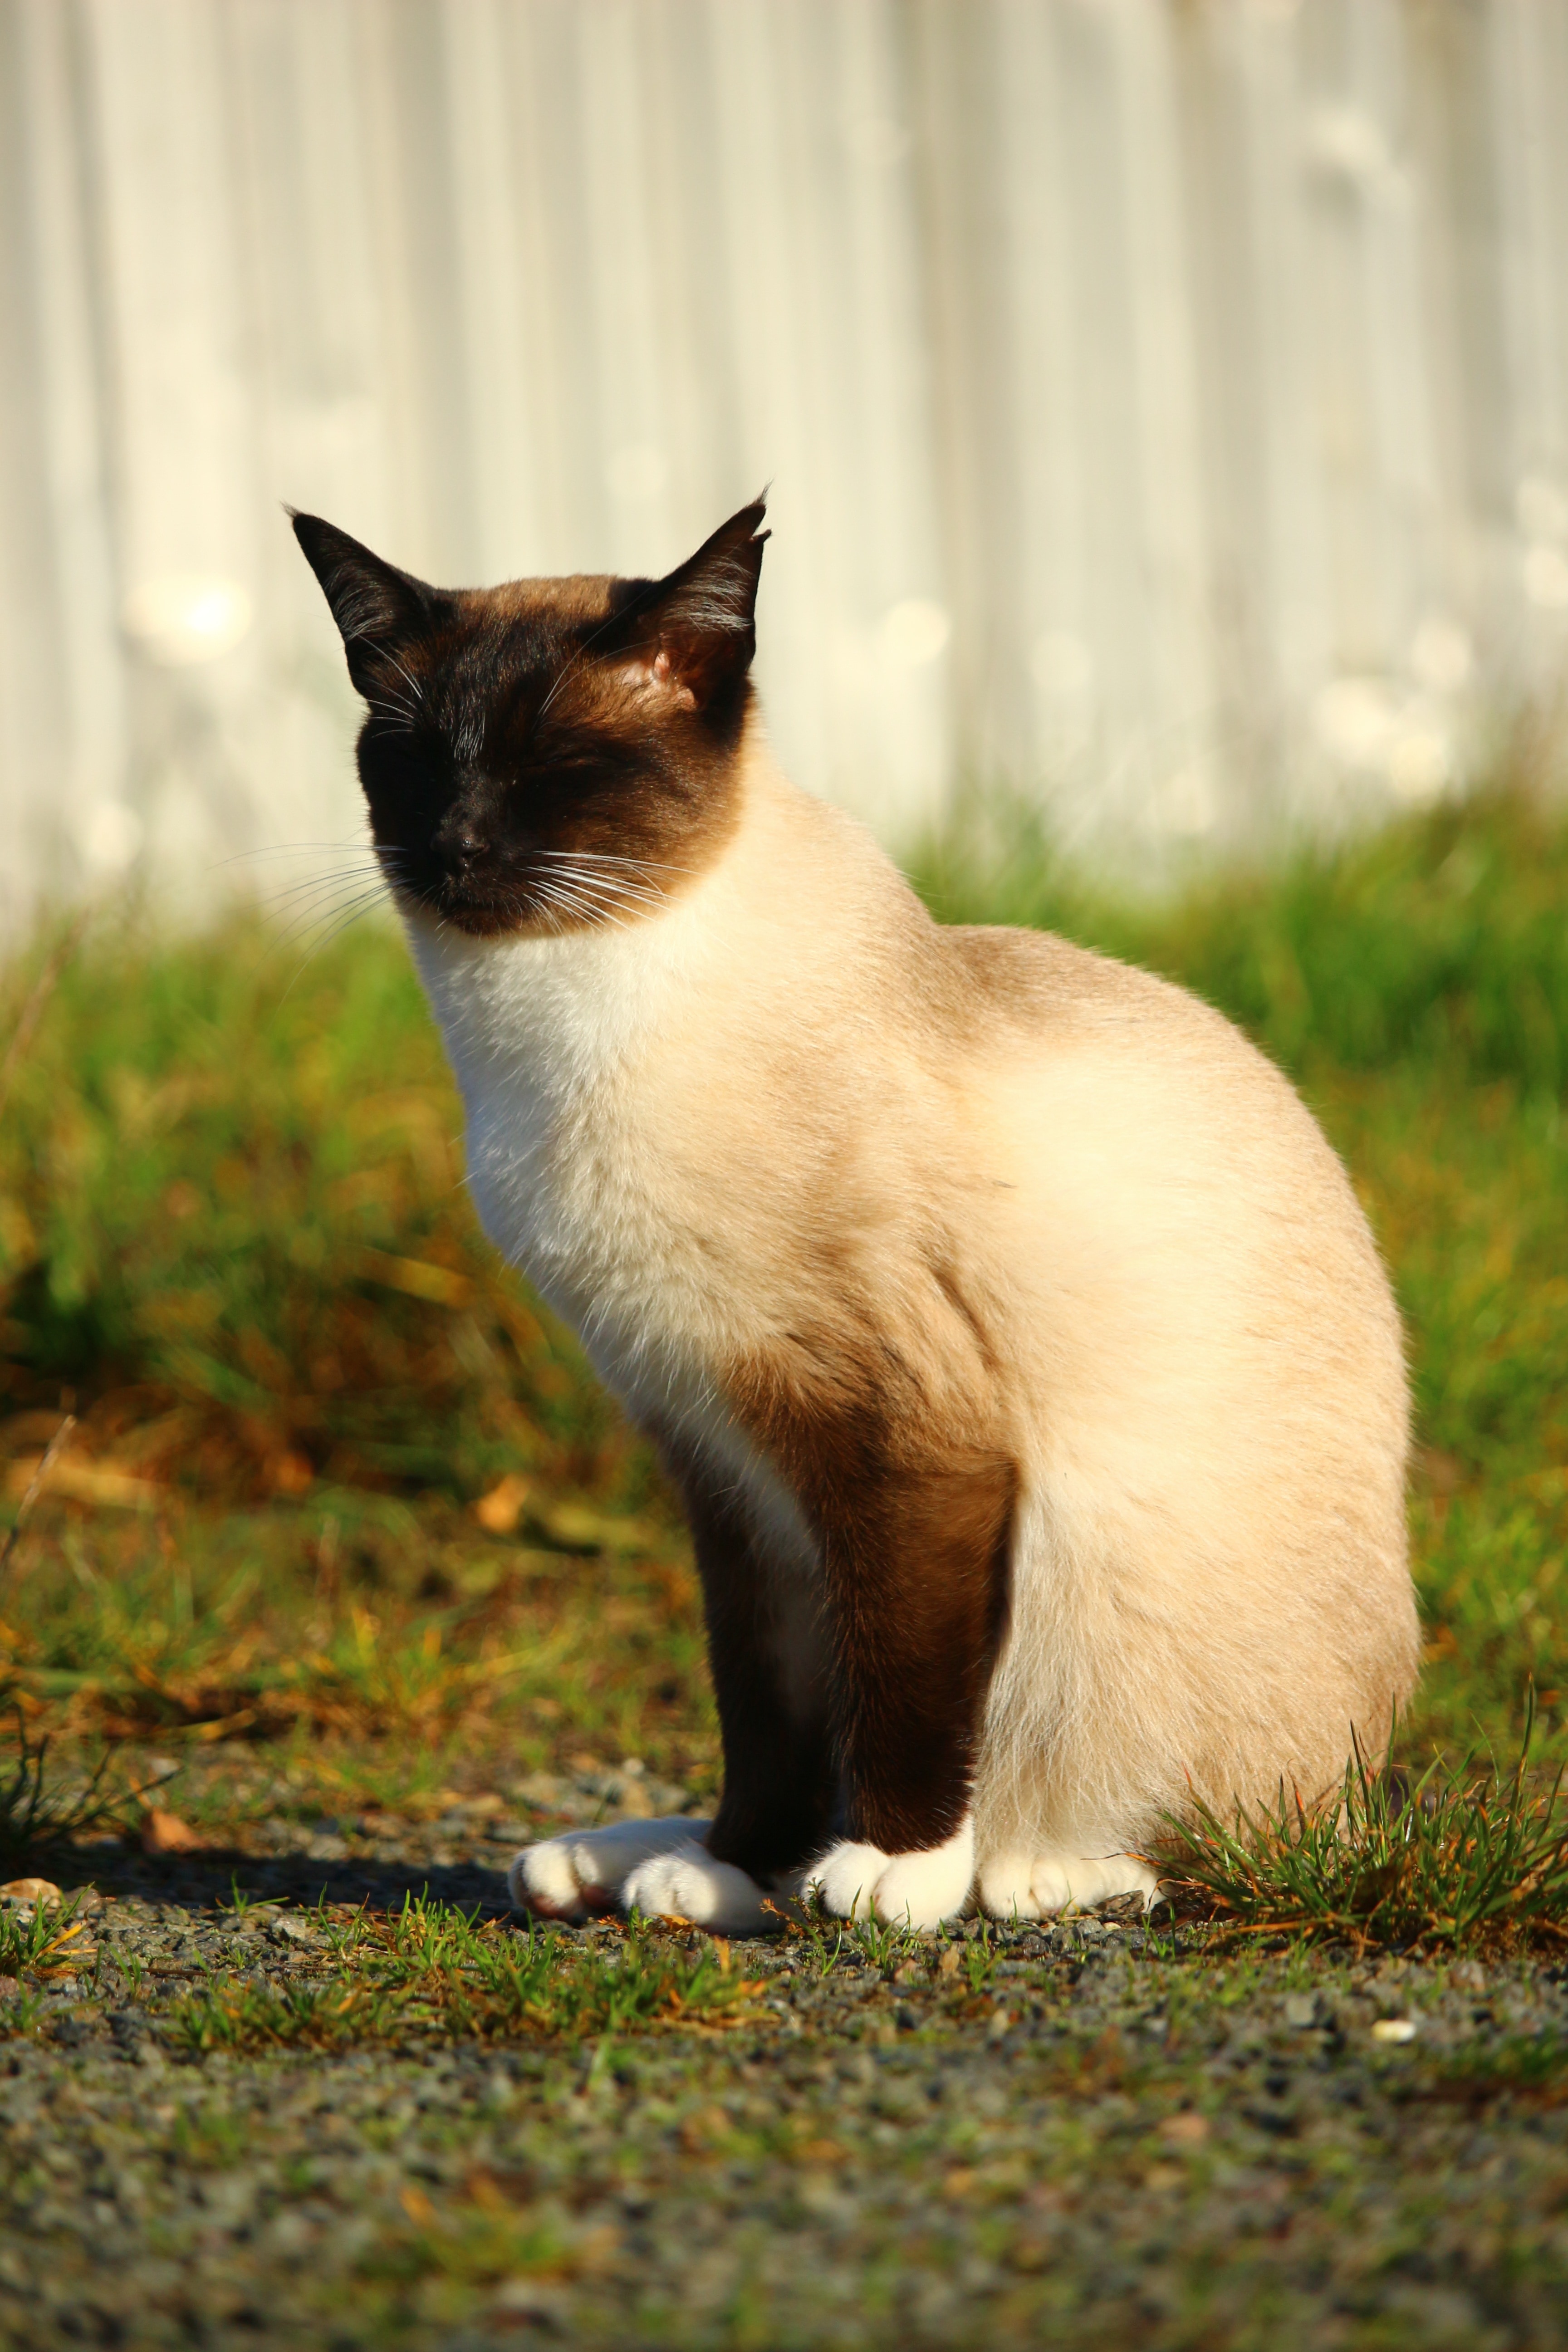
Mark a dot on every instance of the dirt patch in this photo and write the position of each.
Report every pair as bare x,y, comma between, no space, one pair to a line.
1092,2133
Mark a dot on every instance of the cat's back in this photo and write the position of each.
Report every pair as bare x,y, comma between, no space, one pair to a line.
1127,1049
1034,984
1160,1181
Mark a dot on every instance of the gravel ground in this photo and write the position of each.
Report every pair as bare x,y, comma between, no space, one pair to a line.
1090,2134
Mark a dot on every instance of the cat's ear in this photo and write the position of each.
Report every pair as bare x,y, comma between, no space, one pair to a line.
697,625
377,607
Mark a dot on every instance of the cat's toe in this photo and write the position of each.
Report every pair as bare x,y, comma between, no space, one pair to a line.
1005,1891
923,1891
689,1884
1072,1882
545,1879
574,1876
846,1879
917,1890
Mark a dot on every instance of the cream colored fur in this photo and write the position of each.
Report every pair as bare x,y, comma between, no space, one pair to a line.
1188,1342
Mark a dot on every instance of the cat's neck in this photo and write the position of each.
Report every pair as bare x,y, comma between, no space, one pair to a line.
557,1014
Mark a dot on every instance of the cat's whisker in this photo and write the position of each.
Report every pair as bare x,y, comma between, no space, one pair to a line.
347,857
319,886
592,905
610,857
414,687
322,912
558,904
568,860
627,881
296,849
292,919
574,903
598,900
551,918
299,920
319,946
311,893
608,884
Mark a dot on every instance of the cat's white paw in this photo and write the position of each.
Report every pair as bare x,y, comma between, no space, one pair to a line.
574,1876
1003,1886
1028,1886
916,1890
688,1883
846,1878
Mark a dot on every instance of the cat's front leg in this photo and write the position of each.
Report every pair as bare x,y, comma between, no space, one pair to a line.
578,1874
916,1569
662,1869
769,1668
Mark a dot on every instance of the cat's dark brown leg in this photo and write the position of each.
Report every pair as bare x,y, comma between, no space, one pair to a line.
915,1569
768,1654
915,1529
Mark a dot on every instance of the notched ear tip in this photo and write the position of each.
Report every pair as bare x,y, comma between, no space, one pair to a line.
750,517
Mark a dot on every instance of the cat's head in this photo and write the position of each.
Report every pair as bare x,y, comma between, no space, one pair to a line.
552,754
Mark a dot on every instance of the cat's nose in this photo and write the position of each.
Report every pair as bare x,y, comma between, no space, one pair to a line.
460,846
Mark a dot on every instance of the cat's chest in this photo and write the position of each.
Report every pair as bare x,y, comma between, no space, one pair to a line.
560,1049
567,1188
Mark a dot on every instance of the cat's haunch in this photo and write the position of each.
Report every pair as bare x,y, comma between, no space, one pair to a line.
1011,1331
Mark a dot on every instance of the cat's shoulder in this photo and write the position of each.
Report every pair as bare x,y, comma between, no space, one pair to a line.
1036,977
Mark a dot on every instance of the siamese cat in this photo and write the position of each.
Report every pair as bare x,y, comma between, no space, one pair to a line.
1008,1326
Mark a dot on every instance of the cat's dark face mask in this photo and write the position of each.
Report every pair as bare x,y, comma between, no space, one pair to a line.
554,753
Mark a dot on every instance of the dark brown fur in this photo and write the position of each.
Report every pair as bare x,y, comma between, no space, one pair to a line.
914,1525
511,727
781,1771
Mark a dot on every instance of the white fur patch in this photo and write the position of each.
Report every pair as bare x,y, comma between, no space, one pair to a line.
574,1876
1027,1886
1003,1886
659,1868
688,1883
915,1890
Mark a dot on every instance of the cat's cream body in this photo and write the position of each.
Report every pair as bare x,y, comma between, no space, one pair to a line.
1012,1333
1098,1230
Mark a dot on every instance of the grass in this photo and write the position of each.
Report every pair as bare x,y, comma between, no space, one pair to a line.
40,1941
432,1971
37,1809
1459,1860
341,1493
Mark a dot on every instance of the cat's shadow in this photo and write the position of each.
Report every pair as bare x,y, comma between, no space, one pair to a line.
225,1879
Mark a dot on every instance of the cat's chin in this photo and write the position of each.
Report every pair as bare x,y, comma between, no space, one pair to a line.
487,922
477,921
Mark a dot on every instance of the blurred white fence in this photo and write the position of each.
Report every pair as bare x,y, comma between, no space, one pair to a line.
1165,404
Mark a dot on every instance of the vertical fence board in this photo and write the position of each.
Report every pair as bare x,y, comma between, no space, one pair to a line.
1165,401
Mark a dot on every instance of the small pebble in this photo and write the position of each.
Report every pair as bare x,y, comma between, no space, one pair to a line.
29,1890
287,1930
